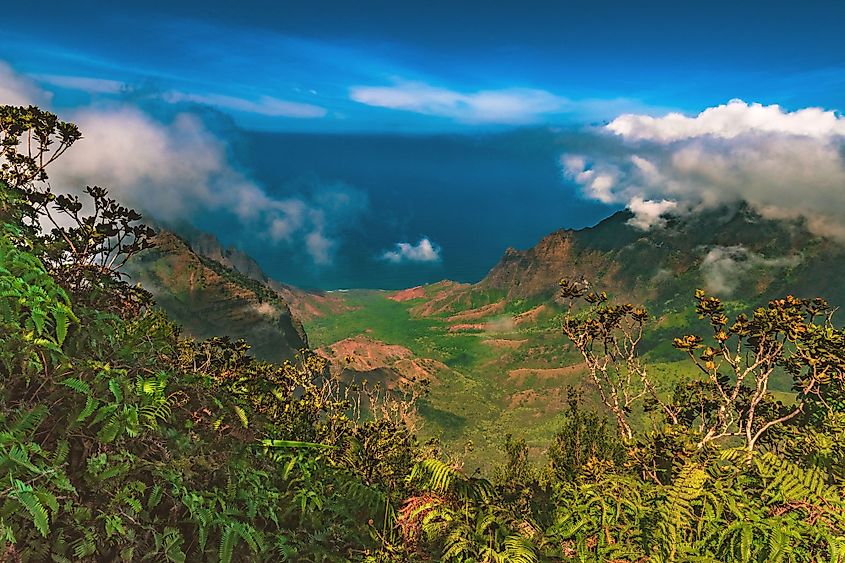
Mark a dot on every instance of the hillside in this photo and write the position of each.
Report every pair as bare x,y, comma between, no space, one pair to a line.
731,251
508,362
303,304
209,298
491,352
763,257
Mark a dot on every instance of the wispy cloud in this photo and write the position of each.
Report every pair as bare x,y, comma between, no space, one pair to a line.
263,105
784,164
509,106
724,267
423,251
179,169
82,83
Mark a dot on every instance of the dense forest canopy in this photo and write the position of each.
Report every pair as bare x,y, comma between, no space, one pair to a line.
121,439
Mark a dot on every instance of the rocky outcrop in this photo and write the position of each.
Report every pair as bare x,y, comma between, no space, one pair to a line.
525,273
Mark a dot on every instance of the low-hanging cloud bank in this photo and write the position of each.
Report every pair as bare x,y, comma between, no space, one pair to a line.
724,267
785,165
18,90
178,169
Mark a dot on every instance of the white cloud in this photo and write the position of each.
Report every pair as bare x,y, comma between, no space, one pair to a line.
423,251
264,105
728,121
648,213
319,247
18,90
783,164
180,169
513,105
82,83
724,267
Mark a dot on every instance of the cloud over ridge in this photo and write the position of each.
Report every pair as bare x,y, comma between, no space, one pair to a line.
723,267
785,165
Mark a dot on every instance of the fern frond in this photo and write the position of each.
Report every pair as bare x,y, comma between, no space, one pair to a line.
116,390
77,385
155,496
28,421
61,453
520,550
24,494
439,477
228,539
241,415
676,512
91,405
777,545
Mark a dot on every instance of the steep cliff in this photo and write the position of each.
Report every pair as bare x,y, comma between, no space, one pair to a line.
210,298
730,251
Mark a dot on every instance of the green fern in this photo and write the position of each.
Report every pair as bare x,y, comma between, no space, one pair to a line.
28,421
116,390
789,482
91,405
77,385
439,477
241,415
677,510
24,494
228,540
520,550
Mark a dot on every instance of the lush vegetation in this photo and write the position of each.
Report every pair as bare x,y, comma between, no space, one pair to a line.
469,406
122,440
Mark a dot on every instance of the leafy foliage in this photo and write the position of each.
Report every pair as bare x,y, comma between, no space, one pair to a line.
122,440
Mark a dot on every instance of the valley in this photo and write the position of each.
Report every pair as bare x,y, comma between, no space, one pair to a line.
496,369
499,361
422,282
487,376
491,356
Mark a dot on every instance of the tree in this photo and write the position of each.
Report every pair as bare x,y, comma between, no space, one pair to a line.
583,437
607,337
84,249
791,334
30,140
733,399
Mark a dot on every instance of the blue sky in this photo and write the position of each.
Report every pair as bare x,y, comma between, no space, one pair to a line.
386,144
433,66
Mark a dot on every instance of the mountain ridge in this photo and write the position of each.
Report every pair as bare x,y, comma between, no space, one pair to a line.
664,262
209,298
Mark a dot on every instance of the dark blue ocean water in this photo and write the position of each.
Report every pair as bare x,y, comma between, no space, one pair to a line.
474,196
